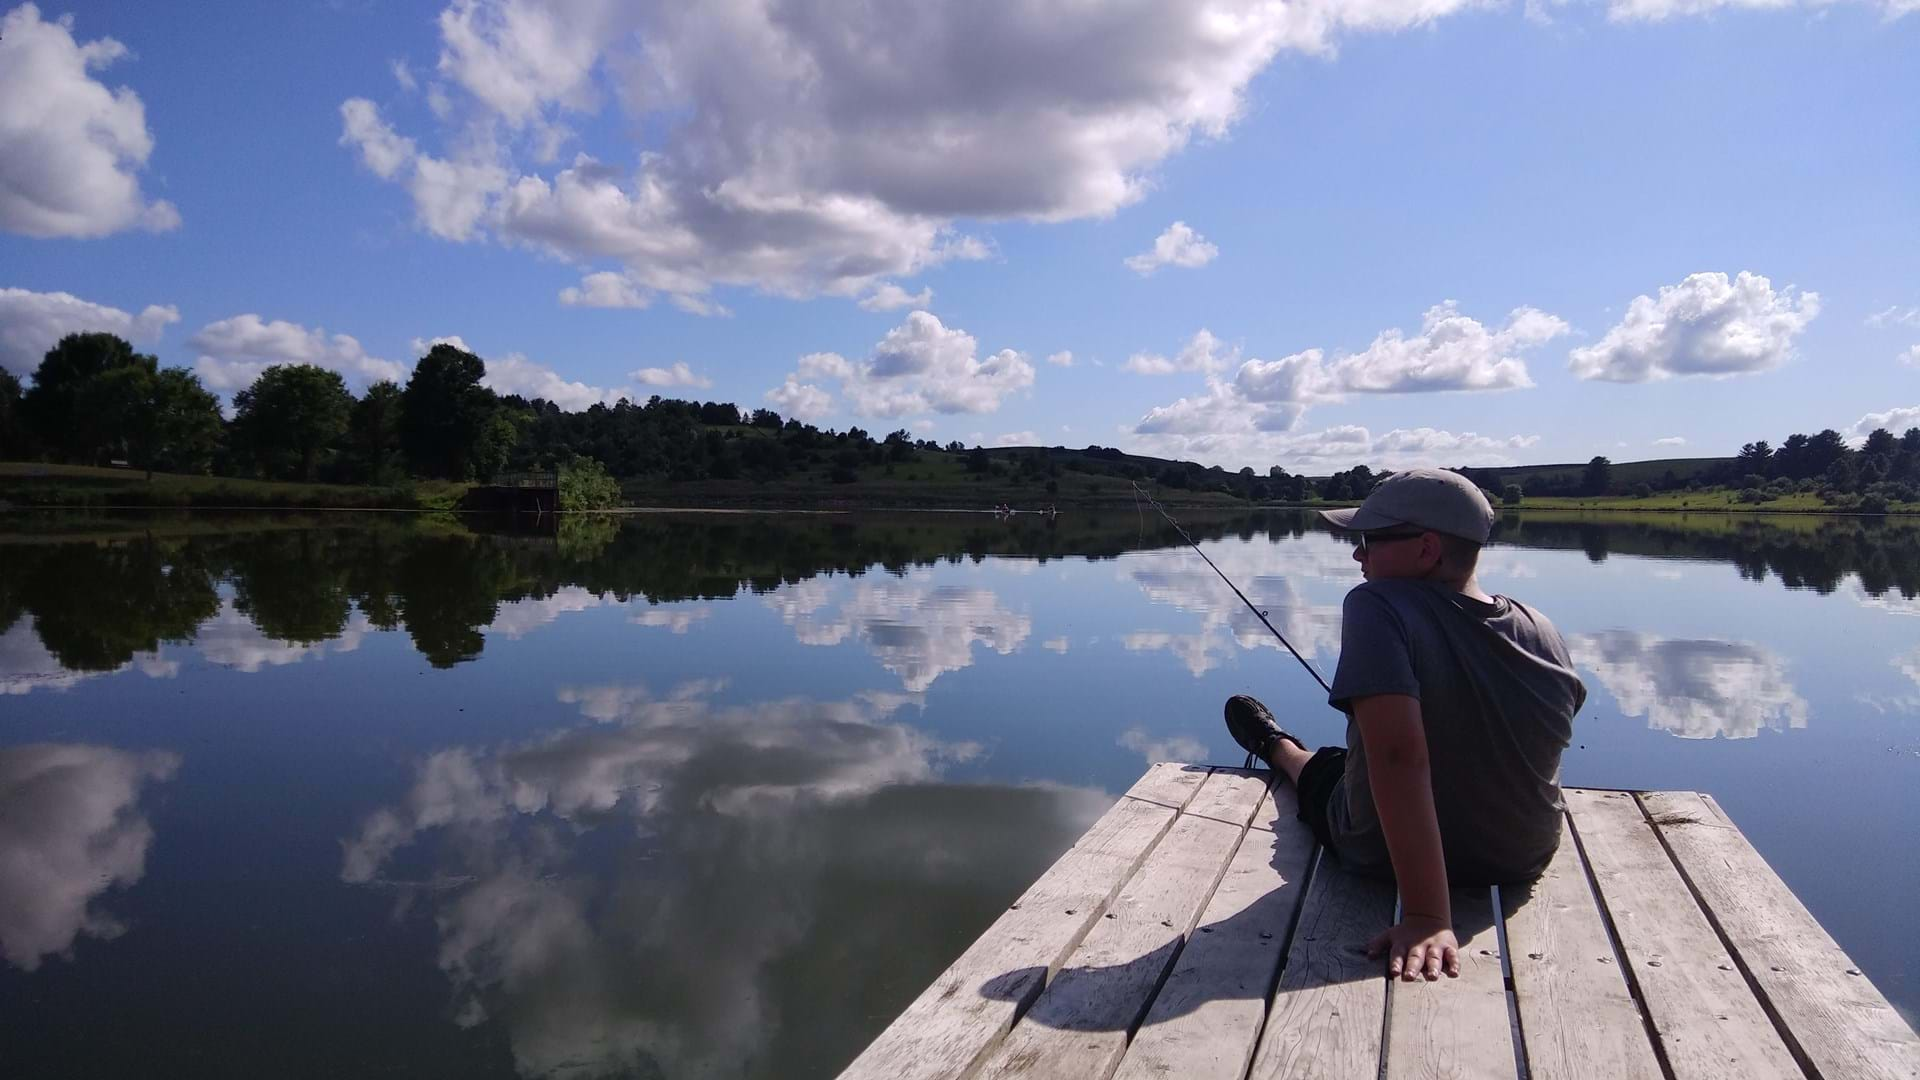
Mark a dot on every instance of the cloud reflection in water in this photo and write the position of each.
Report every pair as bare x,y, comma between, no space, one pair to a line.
1696,689
1268,574
917,631
676,887
70,830
26,664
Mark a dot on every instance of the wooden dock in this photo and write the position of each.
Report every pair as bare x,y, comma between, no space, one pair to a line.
1195,932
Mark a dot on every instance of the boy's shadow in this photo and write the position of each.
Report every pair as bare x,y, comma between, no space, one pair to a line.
1311,931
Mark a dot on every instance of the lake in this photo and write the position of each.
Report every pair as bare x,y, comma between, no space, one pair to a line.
672,795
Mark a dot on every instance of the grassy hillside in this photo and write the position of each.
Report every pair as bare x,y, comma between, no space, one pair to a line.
1623,473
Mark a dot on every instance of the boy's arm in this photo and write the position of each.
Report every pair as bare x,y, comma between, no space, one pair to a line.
1395,739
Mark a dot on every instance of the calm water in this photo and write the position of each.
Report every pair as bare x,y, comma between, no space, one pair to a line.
718,795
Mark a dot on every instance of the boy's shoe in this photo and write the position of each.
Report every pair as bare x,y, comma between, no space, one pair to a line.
1254,728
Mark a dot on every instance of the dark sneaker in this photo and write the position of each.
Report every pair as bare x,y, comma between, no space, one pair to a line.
1253,727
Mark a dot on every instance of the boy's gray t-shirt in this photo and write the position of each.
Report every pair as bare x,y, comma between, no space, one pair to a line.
1497,694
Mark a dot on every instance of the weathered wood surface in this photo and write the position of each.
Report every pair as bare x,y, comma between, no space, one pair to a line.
1330,1007
1455,1027
1198,931
1572,1009
1078,1028
1835,1019
1205,1019
973,1003
1707,1020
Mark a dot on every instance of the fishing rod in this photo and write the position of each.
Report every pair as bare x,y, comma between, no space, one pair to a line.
1261,615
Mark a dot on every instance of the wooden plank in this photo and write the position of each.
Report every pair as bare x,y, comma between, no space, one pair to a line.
966,1011
1206,1019
1707,1021
1078,1027
1456,1026
1329,1010
1833,1016
1577,1017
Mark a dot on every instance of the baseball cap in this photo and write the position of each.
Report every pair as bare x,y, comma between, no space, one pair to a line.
1429,498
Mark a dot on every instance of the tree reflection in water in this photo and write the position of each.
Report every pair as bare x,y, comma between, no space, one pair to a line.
95,604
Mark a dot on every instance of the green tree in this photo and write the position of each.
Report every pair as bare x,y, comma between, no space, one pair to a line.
445,415
373,434
1755,457
585,484
1598,477
162,420
13,433
292,412
1511,495
51,408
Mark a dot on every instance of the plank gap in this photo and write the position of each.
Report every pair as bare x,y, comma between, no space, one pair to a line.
1517,1029
1286,949
1619,952
1759,991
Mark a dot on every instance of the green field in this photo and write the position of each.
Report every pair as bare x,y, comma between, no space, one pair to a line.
36,484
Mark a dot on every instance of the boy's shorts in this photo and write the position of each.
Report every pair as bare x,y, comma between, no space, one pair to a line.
1319,779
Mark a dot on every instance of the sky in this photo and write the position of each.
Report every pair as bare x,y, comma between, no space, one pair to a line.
1310,234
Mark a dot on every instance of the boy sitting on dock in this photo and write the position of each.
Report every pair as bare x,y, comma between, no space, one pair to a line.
1458,704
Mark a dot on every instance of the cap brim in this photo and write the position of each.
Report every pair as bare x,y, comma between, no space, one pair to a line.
1358,519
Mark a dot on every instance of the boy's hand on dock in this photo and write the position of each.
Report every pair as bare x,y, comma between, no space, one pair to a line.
1418,945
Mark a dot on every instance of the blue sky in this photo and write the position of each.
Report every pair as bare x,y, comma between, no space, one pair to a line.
1413,231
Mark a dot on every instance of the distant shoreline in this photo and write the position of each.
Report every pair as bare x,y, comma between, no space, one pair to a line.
36,486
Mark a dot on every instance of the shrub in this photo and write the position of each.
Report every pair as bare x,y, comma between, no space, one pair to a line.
1752,495
585,484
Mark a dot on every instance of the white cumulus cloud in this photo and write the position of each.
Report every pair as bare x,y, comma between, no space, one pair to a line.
677,375
888,297
234,351
69,146
1671,440
1249,417
826,148
518,375
1203,353
800,401
1708,324
33,322
605,290
1911,357
1894,420
1178,246
921,366
1063,358
1451,352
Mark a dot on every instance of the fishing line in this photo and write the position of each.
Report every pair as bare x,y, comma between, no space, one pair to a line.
1261,615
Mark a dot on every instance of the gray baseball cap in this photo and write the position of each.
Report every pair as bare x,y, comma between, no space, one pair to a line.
1428,498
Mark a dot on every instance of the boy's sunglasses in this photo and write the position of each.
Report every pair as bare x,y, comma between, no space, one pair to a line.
1361,540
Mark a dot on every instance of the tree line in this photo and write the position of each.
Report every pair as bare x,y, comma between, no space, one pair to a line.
93,400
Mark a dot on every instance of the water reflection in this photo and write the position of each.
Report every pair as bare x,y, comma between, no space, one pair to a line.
1694,689
100,599
1269,575
917,631
648,892
70,830
26,664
